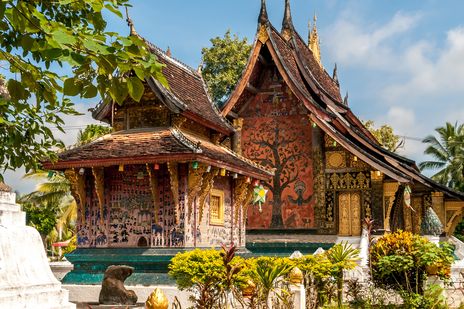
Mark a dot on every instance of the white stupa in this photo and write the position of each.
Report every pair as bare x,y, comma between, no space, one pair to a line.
26,280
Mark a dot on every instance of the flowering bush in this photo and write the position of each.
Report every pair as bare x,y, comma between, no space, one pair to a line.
402,261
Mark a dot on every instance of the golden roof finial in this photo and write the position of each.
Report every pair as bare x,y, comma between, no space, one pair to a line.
200,68
314,43
168,52
130,23
309,32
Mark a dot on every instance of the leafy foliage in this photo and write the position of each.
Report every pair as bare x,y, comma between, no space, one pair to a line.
402,260
384,135
43,219
210,274
448,155
343,256
268,273
319,273
92,132
199,271
223,64
41,38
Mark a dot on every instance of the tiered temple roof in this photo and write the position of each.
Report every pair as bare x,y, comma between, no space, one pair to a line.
320,93
154,145
186,95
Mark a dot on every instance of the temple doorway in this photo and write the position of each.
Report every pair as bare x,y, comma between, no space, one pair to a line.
349,204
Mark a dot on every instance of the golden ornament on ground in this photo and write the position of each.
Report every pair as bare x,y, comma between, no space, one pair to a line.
249,289
157,300
296,276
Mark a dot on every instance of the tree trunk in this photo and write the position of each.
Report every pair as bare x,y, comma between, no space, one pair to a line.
276,221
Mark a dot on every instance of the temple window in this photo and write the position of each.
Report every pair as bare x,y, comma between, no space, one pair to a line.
216,207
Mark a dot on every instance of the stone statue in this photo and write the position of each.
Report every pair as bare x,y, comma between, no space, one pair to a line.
113,291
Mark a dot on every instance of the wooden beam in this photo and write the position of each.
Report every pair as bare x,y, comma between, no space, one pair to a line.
263,60
252,88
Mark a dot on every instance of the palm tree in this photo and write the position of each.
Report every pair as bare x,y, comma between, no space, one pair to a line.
268,274
343,256
54,189
448,153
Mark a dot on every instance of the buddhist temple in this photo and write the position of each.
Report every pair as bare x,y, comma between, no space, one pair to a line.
330,171
177,173
170,177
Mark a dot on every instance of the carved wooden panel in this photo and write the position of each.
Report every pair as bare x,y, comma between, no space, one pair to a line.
348,181
344,214
329,142
335,159
349,204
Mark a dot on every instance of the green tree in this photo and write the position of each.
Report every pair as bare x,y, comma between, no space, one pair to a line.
43,219
92,132
223,64
448,155
42,39
384,135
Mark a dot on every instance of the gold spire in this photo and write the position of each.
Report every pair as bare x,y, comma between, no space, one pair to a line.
130,23
314,43
309,33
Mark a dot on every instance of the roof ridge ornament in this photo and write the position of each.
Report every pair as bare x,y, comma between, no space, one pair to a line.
345,100
335,74
130,23
287,23
168,52
263,17
314,43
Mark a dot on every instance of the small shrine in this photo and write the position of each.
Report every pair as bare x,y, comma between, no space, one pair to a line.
169,178
26,279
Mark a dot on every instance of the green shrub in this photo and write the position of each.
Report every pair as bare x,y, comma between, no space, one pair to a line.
402,261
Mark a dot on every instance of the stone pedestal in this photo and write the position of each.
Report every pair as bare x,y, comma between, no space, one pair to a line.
26,280
299,296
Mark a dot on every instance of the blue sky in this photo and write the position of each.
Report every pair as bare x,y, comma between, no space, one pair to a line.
402,62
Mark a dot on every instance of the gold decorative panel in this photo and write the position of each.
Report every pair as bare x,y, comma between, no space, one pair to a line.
216,207
336,159
347,181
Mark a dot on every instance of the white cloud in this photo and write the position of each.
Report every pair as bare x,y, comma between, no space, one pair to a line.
351,43
432,77
416,82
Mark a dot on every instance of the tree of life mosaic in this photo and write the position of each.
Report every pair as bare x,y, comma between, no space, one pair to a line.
283,144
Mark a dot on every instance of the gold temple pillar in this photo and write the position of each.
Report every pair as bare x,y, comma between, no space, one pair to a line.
237,137
438,206
389,191
416,202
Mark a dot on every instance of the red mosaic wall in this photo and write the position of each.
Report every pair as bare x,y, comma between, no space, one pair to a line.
128,210
277,134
